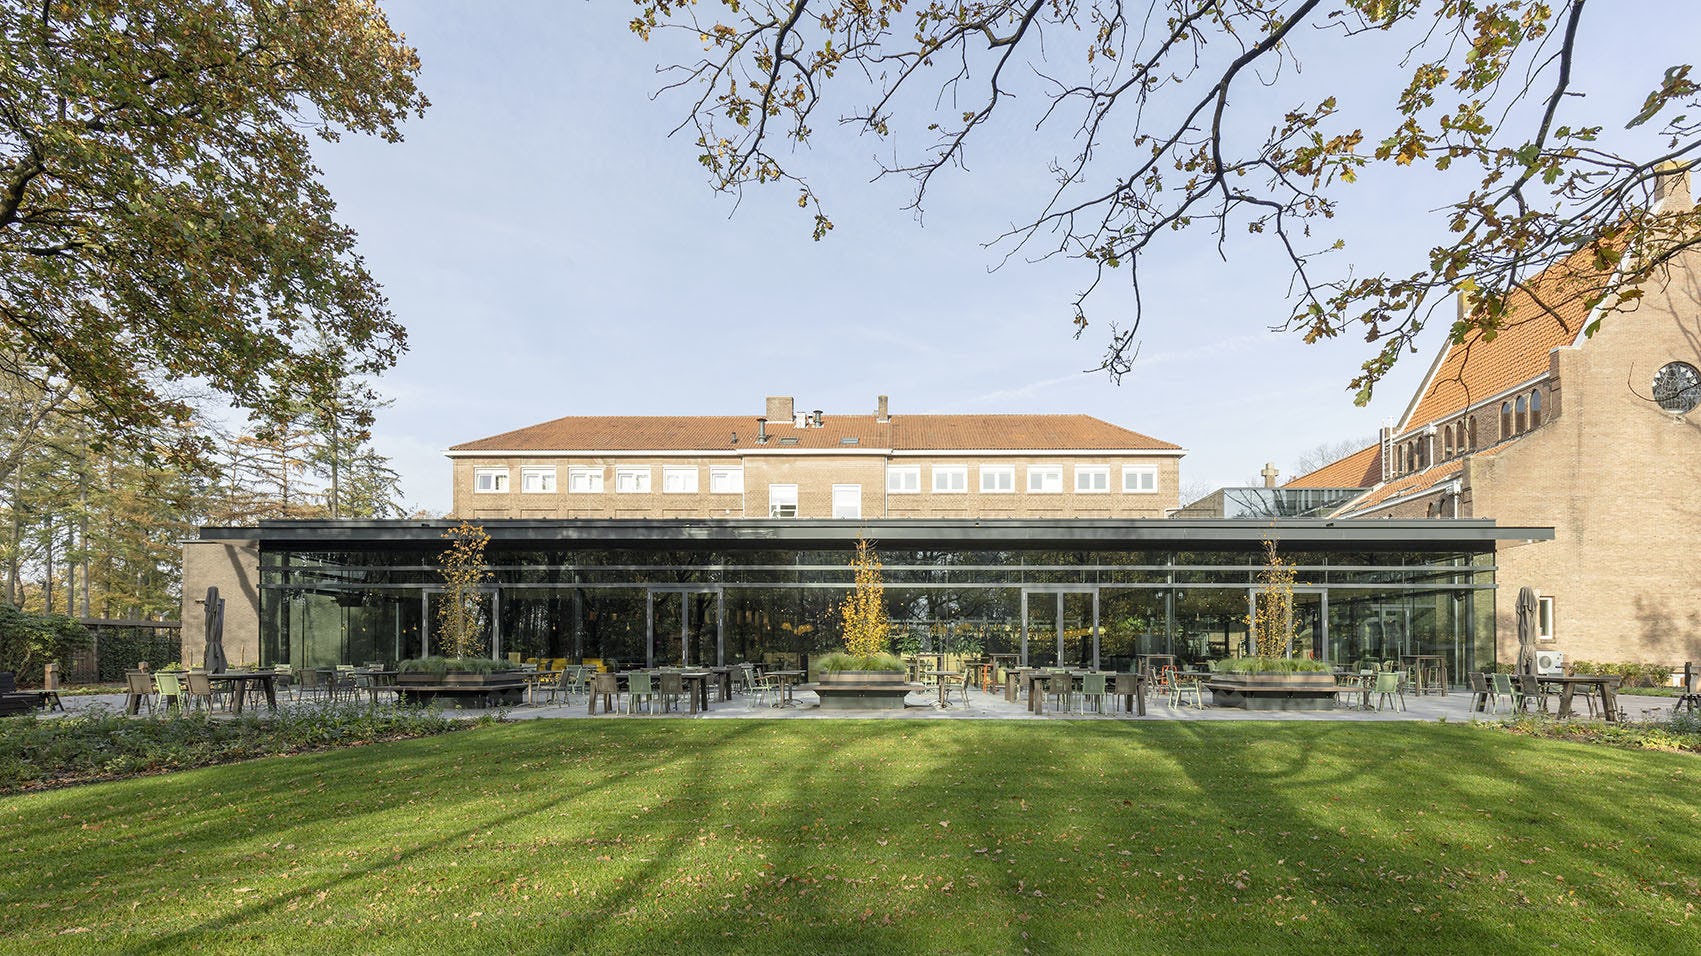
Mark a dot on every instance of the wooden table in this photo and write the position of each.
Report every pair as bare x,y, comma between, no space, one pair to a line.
265,680
1152,663
944,688
377,680
787,680
1607,686
1418,662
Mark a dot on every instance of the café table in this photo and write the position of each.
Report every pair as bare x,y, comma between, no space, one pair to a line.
376,680
787,679
723,680
1152,663
240,681
697,689
1605,685
944,688
1421,666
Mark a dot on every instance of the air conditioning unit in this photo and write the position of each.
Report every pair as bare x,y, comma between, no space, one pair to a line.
1550,662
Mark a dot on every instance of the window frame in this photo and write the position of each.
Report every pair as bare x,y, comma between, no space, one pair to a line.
735,472
912,474
676,471
537,471
1535,408
852,489
645,473
596,475
501,479
960,472
1101,472
774,507
1006,472
1043,475
1129,471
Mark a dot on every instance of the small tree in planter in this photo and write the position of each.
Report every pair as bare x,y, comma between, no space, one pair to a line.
460,616
867,629
1271,622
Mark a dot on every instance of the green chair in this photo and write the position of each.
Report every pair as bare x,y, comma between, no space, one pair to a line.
640,685
1093,688
1502,688
170,690
1389,688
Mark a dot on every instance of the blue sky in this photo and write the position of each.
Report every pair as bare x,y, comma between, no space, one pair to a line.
552,252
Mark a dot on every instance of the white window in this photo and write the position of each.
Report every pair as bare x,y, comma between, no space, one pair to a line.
537,480
1140,479
950,479
584,481
1092,479
726,481
1544,619
847,501
679,481
1045,479
782,501
904,480
632,480
997,479
490,480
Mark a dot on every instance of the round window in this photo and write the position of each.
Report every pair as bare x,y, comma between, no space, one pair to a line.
1677,387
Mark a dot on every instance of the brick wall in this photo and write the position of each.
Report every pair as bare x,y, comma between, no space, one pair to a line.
234,568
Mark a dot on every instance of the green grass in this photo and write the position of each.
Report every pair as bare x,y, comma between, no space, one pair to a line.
872,836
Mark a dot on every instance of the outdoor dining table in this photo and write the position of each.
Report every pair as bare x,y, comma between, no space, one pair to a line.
240,681
1591,683
1152,663
536,680
787,680
608,686
376,680
723,680
1421,664
944,688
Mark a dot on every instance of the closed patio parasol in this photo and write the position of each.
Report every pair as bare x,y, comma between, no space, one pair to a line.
1527,609
214,657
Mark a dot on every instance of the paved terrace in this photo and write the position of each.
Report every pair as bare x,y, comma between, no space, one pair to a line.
982,706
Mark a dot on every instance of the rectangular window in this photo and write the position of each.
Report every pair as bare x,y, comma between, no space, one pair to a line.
679,481
950,479
632,481
584,481
1092,479
904,480
1045,479
997,479
1140,479
490,480
847,501
782,501
726,481
1544,619
537,480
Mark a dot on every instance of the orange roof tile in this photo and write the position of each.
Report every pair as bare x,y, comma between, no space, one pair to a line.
1361,469
1549,312
1411,484
738,432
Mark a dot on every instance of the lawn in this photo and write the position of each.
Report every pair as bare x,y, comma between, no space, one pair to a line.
851,836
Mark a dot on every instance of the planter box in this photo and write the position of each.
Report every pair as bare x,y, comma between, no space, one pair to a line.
862,690
462,690
1302,691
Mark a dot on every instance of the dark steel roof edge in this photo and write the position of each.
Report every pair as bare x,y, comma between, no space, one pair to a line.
1418,532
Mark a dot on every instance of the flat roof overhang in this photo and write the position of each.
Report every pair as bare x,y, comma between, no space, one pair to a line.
1376,534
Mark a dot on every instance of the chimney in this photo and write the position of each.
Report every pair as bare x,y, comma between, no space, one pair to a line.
779,408
818,418
762,430
1671,188
880,412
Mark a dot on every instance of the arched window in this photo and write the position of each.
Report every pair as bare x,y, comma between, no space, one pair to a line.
1447,442
1523,414
1400,460
1505,420
1471,433
1535,408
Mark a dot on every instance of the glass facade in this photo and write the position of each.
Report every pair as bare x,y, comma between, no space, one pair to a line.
654,593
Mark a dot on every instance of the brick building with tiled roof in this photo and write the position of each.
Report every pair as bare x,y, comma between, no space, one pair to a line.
790,463
1588,428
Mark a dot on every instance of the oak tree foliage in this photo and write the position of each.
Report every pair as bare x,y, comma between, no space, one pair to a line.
1146,105
161,216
